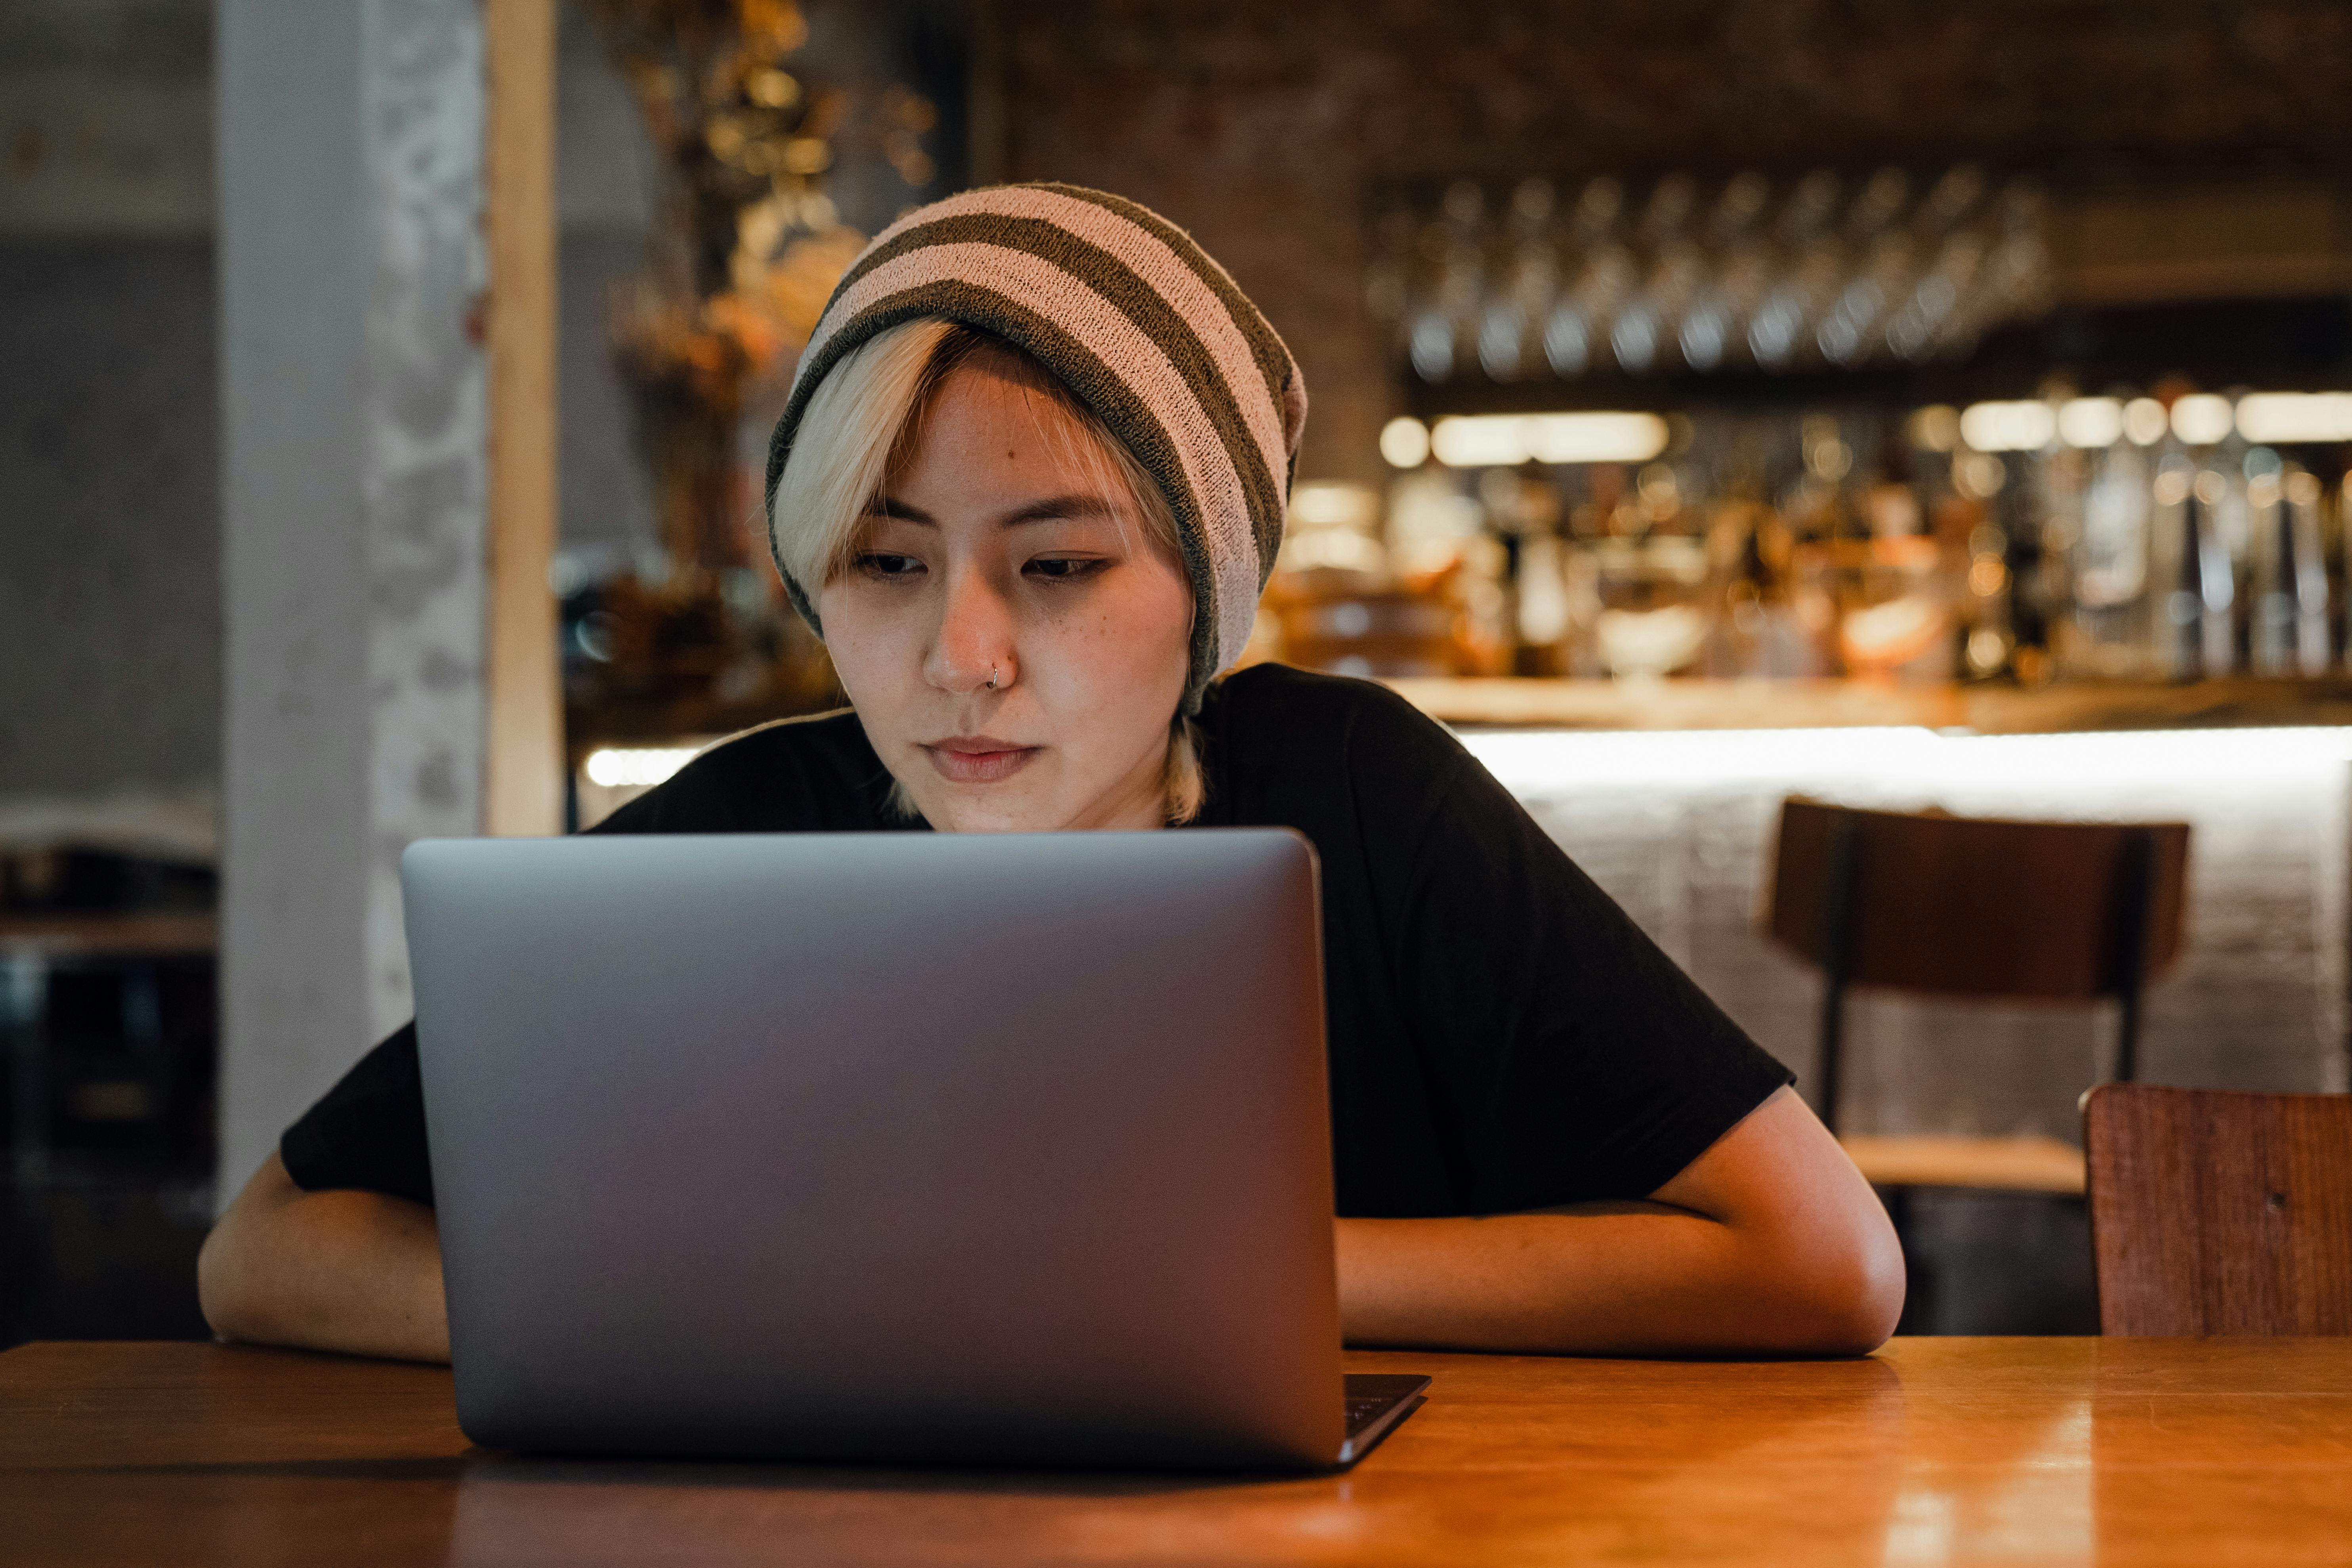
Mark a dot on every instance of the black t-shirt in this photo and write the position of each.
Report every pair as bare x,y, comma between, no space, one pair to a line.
1501,1036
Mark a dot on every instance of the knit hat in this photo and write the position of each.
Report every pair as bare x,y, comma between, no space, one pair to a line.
1143,328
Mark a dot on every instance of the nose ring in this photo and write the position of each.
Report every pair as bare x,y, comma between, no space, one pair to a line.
992,678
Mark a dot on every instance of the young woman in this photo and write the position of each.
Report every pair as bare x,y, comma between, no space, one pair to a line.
1028,484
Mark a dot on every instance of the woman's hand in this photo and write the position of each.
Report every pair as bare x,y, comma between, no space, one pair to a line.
1770,1243
349,1271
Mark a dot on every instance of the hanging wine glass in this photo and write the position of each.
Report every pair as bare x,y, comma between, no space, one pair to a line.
1915,330
2012,278
1526,277
1827,273
1849,334
1648,325
1600,291
1948,201
1568,341
1730,289
1876,206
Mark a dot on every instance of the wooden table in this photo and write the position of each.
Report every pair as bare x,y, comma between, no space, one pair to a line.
2011,1451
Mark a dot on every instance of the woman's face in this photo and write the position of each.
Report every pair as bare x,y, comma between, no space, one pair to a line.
995,549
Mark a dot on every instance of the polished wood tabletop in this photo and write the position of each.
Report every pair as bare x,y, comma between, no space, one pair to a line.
1936,1450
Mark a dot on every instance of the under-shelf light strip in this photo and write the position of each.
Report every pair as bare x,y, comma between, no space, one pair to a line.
1555,760
2199,419
1559,761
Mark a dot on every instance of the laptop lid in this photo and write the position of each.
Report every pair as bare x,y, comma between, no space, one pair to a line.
899,1146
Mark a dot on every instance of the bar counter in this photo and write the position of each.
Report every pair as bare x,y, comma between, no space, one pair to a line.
1762,704
2153,1452
1667,794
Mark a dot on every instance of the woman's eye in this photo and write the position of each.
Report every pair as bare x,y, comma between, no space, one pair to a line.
881,563
1066,568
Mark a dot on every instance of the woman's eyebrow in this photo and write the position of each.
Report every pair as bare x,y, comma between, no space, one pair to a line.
1058,509
1049,508
903,511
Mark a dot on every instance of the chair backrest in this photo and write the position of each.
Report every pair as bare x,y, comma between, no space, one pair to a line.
2214,1211
1976,907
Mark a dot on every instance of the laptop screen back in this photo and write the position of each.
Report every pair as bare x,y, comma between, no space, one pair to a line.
962,1148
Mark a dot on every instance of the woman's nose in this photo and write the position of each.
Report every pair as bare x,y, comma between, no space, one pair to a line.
972,648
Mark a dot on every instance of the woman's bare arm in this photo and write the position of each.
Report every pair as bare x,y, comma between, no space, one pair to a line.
1770,1243
349,1271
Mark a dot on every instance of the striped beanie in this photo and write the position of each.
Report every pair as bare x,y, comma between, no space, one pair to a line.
1143,328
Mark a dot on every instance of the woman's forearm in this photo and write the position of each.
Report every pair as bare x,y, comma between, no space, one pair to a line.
1770,1243
1660,1282
357,1272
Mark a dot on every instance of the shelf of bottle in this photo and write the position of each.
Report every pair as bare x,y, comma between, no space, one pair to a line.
1525,703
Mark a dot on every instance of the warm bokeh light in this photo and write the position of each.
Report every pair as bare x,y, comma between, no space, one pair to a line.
2199,419
2202,418
613,766
2144,421
1936,428
2090,422
2008,427
1906,762
1507,440
1404,443
2283,418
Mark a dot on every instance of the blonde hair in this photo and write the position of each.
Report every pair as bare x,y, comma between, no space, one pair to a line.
862,421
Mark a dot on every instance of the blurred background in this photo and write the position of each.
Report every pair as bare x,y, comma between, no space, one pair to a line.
1914,404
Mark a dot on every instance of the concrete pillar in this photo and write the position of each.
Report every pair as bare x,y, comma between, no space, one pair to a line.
356,471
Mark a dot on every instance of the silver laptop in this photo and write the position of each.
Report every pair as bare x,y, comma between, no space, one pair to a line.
912,1147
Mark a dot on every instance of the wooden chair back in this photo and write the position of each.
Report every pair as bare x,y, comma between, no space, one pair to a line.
1976,907
1960,905
2214,1211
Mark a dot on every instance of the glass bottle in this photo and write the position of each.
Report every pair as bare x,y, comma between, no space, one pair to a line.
2111,565
2217,511
1755,630
2176,647
2313,650
2288,573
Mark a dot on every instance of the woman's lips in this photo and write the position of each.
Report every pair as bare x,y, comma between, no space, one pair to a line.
977,759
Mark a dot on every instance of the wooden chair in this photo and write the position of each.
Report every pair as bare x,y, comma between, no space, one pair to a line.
1975,908
2220,1213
